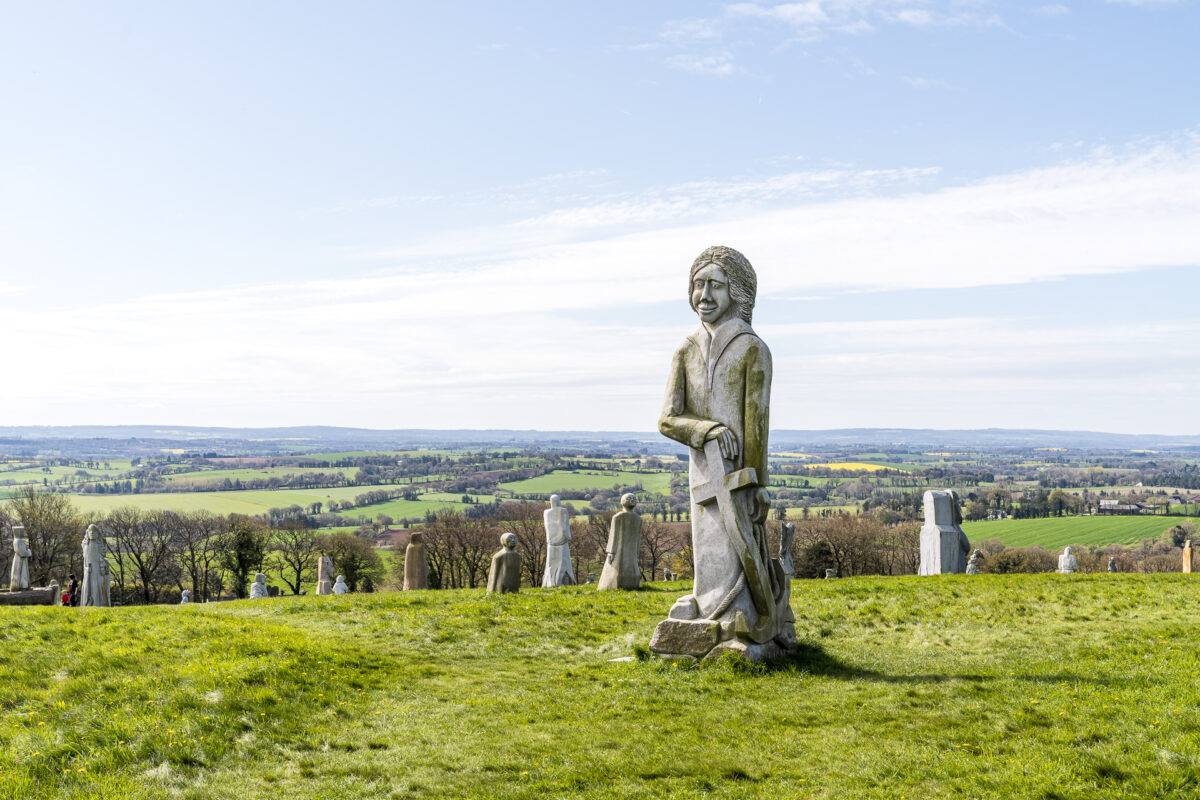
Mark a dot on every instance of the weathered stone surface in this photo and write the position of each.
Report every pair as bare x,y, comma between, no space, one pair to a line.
504,575
19,575
339,586
325,576
258,589
717,403
559,571
693,638
29,597
973,564
97,577
185,597
1187,556
830,573
416,566
624,541
1112,564
750,651
1067,563
944,546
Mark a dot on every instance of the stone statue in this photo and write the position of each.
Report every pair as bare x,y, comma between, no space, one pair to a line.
717,403
97,578
944,546
258,589
416,568
830,574
1112,564
973,563
19,579
1067,563
624,541
339,586
505,573
186,597
558,546
55,593
325,576
1187,556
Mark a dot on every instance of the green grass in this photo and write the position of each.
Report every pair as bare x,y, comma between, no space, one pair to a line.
657,482
1056,532
992,686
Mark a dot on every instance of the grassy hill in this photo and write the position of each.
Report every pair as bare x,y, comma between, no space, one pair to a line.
995,686
1058,532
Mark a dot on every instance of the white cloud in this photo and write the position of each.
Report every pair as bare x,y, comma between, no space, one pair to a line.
719,63
550,323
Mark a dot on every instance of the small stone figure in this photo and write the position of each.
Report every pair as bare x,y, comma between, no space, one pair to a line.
558,546
339,586
591,577
830,573
258,589
944,546
973,563
1187,556
19,580
97,577
1112,564
186,597
416,568
1067,563
325,576
624,540
56,594
505,573
666,574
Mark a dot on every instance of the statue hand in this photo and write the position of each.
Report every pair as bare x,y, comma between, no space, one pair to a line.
727,441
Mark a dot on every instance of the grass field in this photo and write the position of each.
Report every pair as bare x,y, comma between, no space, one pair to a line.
658,482
1057,532
993,686
250,502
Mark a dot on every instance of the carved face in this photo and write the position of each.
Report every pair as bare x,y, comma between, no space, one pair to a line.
710,295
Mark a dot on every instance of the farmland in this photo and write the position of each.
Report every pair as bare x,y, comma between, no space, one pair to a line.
1057,532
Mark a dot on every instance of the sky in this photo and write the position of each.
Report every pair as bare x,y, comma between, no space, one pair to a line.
962,214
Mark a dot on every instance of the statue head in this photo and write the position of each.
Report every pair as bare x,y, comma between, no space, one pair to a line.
415,537
721,285
18,531
555,501
260,578
1067,550
340,579
628,501
508,540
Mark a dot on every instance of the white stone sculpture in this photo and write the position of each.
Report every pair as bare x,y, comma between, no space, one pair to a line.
558,545
258,589
339,586
1112,563
944,546
621,556
325,576
19,577
1067,562
97,578
186,597
973,564
717,403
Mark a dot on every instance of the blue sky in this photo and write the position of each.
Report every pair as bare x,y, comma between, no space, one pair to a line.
963,214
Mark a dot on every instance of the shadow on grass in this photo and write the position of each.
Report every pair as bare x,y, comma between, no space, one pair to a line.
812,659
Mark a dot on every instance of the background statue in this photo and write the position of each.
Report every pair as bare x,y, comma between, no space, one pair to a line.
339,585
19,577
717,403
624,540
944,546
504,576
1067,563
416,568
97,578
185,597
258,589
973,563
325,575
558,545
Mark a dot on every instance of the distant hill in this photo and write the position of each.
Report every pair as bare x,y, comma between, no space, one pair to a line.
146,439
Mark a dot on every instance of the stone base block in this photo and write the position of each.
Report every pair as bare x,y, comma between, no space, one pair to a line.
754,653
685,637
29,597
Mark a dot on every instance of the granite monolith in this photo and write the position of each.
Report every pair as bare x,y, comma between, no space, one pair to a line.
504,575
416,568
621,555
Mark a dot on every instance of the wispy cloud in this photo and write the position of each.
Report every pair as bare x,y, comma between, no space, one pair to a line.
719,63
583,316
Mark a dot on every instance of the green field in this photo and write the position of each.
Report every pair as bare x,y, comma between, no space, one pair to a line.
1056,532
240,502
992,686
656,482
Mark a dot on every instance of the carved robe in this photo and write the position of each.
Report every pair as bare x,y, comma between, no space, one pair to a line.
725,380
559,571
504,576
621,560
97,578
19,576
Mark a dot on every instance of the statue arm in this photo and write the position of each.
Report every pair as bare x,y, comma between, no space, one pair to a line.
756,423
675,422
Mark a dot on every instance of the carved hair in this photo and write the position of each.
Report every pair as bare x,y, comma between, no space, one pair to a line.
743,283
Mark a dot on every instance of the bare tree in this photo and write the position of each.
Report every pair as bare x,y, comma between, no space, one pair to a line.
198,554
54,530
145,547
295,551
660,540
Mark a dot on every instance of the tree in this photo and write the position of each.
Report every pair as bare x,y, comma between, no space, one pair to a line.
242,547
148,543
658,540
354,558
295,551
54,530
197,554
